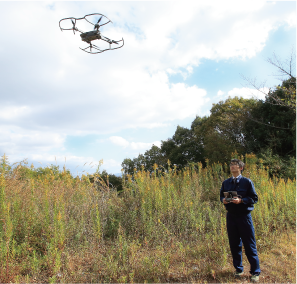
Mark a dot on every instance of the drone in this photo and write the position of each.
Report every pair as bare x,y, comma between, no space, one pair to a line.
95,34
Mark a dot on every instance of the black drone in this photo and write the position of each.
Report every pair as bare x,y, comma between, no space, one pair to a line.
95,34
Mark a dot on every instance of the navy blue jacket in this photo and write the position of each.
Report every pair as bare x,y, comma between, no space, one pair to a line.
245,188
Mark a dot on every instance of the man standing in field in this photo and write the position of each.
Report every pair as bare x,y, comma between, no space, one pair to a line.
239,220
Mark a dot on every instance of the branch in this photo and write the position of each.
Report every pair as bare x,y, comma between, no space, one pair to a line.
284,128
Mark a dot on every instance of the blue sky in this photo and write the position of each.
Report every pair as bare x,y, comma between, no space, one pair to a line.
59,105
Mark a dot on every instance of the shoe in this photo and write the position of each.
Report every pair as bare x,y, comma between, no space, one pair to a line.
238,273
255,278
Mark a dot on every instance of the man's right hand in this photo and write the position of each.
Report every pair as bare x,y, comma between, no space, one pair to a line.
224,201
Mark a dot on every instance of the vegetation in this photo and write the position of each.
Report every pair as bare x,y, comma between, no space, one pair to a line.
266,128
166,226
103,180
162,221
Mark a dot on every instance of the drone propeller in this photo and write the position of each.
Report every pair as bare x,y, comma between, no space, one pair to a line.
96,27
99,20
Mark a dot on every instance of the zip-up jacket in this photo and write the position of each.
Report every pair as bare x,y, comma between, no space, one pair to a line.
245,190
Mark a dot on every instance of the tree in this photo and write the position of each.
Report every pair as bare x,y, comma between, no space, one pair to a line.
223,131
284,95
180,150
272,126
183,147
144,161
264,127
112,180
129,165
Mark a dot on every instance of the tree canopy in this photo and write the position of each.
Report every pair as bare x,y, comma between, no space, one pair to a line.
243,125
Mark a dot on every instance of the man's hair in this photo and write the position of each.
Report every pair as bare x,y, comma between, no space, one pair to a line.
239,162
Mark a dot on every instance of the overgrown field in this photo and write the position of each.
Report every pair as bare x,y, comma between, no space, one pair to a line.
164,227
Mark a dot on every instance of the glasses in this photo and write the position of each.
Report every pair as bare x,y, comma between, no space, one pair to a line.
233,165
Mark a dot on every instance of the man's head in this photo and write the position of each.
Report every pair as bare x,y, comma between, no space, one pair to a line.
236,167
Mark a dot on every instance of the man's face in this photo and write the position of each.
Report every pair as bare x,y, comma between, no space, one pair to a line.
235,169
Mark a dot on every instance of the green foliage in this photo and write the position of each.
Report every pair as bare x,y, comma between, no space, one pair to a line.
39,173
5,168
285,95
266,128
112,180
271,126
54,227
283,167
183,148
223,131
145,161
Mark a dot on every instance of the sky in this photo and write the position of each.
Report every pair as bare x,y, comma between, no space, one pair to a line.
62,106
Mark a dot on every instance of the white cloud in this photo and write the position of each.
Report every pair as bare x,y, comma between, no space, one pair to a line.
220,93
18,141
13,112
291,19
120,141
50,88
248,93
64,90
111,163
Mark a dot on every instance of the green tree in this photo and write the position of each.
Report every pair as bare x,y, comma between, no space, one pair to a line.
184,147
223,132
112,181
272,126
284,95
128,166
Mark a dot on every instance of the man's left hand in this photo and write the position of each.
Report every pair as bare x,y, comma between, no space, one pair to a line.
236,200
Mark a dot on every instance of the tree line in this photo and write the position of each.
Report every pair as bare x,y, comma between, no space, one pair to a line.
266,128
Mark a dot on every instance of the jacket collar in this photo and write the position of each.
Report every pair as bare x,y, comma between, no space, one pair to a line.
238,178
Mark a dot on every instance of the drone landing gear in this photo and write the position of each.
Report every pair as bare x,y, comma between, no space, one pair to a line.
98,50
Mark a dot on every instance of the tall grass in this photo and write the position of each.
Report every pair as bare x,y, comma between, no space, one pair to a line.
57,228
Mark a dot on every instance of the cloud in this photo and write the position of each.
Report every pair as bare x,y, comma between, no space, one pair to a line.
50,88
291,19
220,93
63,89
120,141
248,93
18,141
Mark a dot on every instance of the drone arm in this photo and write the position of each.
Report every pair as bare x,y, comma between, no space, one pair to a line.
111,41
73,20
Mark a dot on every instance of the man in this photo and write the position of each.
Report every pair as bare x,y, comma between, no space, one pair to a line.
239,220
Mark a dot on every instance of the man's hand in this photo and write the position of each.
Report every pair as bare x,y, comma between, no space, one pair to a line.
224,201
236,200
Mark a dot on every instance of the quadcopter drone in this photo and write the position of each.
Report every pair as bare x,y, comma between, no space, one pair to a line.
95,34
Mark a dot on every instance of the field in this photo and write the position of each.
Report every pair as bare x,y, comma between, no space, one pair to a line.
164,227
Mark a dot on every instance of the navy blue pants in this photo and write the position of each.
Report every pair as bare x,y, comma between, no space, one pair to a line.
240,230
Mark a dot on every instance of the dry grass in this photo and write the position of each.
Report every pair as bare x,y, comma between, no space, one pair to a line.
88,266
165,227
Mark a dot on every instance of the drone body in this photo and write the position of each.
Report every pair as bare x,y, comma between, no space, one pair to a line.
90,36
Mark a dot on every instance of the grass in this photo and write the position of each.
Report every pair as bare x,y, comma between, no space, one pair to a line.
164,227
